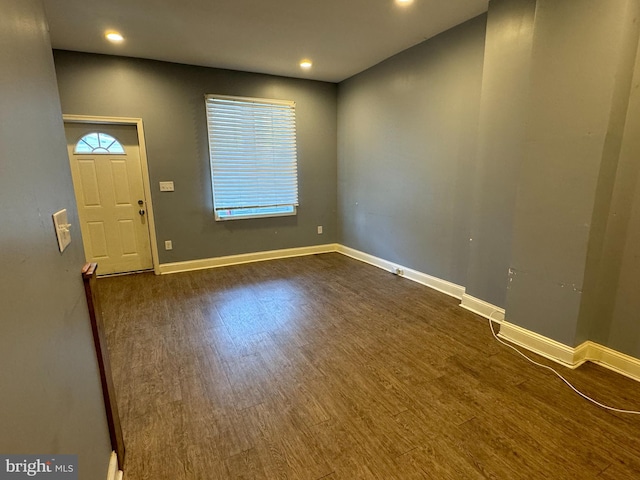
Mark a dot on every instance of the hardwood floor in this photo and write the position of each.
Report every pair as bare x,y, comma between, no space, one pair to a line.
323,367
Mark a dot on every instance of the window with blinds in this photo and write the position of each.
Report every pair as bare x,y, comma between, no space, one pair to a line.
253,155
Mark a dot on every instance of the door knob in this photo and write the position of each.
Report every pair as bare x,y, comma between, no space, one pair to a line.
141,212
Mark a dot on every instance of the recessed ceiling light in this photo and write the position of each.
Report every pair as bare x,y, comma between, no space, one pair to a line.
404,3
114,37
306,64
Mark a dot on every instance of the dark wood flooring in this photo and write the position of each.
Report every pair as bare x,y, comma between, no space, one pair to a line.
323,367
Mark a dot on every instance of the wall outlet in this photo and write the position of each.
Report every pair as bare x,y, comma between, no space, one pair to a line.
319,229
166,187
168,245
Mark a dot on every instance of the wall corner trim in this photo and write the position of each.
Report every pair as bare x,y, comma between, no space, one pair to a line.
438,284
113,473
613,360
541,345
482,308
228,260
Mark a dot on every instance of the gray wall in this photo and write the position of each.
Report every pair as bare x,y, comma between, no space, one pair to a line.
613,321
580,70
614,192
511,171
51,401
406,153
170,100
501,136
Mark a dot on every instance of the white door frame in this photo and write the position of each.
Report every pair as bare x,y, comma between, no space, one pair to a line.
137,122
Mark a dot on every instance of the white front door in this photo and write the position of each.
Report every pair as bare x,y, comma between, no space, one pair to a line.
107,179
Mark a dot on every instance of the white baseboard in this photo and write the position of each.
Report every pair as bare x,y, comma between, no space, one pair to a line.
539,344
558,352
205,263
482,308
433,282
572,357
583,352
113,473
613,360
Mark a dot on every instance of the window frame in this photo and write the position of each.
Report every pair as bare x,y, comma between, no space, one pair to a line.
99,150
292,165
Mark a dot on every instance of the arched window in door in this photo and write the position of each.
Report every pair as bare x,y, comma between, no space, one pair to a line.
99,143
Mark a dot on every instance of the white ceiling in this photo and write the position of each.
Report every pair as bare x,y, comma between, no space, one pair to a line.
342,38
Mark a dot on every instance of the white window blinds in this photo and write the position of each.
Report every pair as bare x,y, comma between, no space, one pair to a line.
252,146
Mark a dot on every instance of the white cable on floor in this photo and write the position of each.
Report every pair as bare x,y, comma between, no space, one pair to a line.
602,405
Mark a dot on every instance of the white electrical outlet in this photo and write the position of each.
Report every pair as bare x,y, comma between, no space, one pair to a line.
168,245
319,229
166,187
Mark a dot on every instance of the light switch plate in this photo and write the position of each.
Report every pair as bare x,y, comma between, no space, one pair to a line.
62,226
166,186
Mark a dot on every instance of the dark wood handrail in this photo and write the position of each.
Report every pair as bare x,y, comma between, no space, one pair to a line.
108,391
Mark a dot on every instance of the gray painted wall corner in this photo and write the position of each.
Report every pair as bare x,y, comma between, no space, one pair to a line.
573,85
614,193
504,103
406,146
